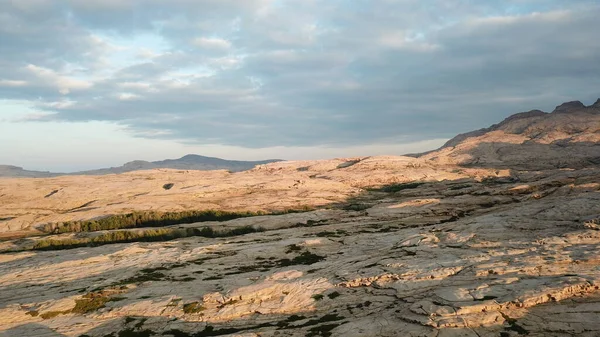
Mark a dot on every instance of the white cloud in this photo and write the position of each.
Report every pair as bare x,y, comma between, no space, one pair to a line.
226,62
553,16
48,77
147,53
127,96
401,40
211,43
298,74
13,83
134,85
58,105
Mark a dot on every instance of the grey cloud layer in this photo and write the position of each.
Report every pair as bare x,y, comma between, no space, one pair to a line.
300,73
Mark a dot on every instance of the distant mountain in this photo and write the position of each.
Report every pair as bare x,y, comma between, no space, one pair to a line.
15,171
188,162
568,137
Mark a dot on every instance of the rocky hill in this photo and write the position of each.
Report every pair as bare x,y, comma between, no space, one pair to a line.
15,171
496,234
568,137
187,162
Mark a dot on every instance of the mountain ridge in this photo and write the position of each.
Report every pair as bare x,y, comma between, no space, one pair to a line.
546,135
187,162
567,137
566,107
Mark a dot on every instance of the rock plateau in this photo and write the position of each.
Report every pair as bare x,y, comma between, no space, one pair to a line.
494,234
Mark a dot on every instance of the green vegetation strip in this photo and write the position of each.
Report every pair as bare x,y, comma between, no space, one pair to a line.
151,235
316,327
155,219
89,303
157,235
396,187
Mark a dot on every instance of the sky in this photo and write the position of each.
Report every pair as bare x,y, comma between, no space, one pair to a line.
96,83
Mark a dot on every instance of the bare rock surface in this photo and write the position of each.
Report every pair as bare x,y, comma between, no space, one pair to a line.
451,258
26,203
396,246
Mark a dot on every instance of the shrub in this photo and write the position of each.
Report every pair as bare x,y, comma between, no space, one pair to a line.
333,295
192,308
52,314
398,187
356,207
293,248
317,297
306,258
85,305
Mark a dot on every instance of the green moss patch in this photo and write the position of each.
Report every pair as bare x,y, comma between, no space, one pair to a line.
193,308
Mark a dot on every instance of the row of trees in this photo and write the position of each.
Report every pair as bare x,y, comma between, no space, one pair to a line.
150,235
152,219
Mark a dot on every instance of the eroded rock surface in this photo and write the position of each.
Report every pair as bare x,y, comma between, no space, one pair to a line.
452,258
397,246
25,203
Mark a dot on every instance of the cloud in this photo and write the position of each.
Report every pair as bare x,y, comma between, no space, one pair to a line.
297,73
401,40
13,83
211,43
48,77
